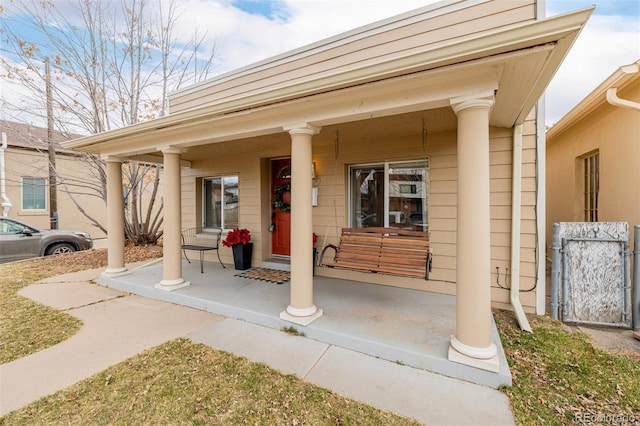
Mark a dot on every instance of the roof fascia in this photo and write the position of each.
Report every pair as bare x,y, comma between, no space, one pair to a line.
518,37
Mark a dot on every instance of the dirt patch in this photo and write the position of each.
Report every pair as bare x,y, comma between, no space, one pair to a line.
610,338
97,258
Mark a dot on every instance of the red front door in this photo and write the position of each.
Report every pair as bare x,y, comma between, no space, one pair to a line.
281,207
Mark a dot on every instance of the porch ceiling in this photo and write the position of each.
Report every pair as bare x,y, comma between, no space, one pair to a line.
516,63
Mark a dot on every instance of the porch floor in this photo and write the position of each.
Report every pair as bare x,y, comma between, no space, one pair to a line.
407,326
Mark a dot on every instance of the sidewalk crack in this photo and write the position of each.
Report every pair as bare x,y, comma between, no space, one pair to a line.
316,362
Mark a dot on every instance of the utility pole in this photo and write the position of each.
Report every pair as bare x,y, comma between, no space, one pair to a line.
53,191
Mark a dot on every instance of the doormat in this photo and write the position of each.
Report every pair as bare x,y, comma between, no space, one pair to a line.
265,274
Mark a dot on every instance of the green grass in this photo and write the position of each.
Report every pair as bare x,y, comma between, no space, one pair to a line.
559,377
182,382
293,331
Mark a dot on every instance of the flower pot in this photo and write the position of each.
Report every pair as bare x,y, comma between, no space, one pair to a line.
242,255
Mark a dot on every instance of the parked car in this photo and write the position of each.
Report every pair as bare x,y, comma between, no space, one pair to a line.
21,241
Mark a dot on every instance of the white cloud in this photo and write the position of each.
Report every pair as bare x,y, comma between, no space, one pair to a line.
244,38
606,43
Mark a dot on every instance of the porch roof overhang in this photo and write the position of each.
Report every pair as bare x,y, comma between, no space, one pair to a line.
517,63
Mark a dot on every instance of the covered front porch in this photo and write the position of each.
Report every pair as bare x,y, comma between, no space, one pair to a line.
411,327
367,97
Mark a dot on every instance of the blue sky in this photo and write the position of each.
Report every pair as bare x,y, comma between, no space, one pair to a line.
246,31
273,10
603,7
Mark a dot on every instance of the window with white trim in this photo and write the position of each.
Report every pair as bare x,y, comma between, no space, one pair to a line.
220,202
34,193
390,195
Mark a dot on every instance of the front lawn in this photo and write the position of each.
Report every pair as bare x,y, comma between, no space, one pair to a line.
182,382
561,378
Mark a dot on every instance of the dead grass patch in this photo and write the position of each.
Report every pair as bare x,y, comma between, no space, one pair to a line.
26,326
561,378
182,382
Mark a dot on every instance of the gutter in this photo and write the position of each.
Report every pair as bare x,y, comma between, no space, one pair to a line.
593,100
6,203
612,92
516,206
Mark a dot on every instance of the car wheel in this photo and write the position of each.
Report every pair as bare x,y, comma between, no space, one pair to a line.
60,248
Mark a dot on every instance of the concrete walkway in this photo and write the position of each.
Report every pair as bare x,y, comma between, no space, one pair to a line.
119,325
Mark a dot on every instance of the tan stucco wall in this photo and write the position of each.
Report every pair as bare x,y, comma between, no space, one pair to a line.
377,141
615,133
21,163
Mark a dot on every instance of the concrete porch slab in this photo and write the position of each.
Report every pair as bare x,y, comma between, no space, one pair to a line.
412,327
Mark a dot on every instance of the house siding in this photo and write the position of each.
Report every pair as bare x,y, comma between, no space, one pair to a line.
356,49
21,163
356,143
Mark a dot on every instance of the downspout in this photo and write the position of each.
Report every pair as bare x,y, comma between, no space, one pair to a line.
516,206
612,92
613,99
6,203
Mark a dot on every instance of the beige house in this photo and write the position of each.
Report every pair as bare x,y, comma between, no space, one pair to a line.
426,120
26,181
593,151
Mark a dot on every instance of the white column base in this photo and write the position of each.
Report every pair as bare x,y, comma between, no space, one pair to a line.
483,358
300,316
115,272
170,285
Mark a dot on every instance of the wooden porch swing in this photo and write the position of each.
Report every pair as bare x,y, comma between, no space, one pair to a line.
386,250
380,249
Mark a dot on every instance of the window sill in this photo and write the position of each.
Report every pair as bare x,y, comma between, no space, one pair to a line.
33,213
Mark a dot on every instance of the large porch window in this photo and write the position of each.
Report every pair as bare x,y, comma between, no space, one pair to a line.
220,202
390,195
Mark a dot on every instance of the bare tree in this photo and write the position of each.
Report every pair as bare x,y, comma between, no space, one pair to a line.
113,64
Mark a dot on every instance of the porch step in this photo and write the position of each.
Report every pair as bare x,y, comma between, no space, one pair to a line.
277,263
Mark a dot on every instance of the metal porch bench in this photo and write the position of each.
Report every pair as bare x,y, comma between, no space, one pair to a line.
198,240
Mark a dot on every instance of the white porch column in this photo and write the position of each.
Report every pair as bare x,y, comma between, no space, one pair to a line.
115,219
472,343
301,309
172,255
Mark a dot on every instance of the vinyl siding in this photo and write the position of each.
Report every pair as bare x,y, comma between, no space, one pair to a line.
353,50
373,142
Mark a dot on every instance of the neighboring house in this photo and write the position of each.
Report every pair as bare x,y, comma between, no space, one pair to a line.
26,160
592,155
426,120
